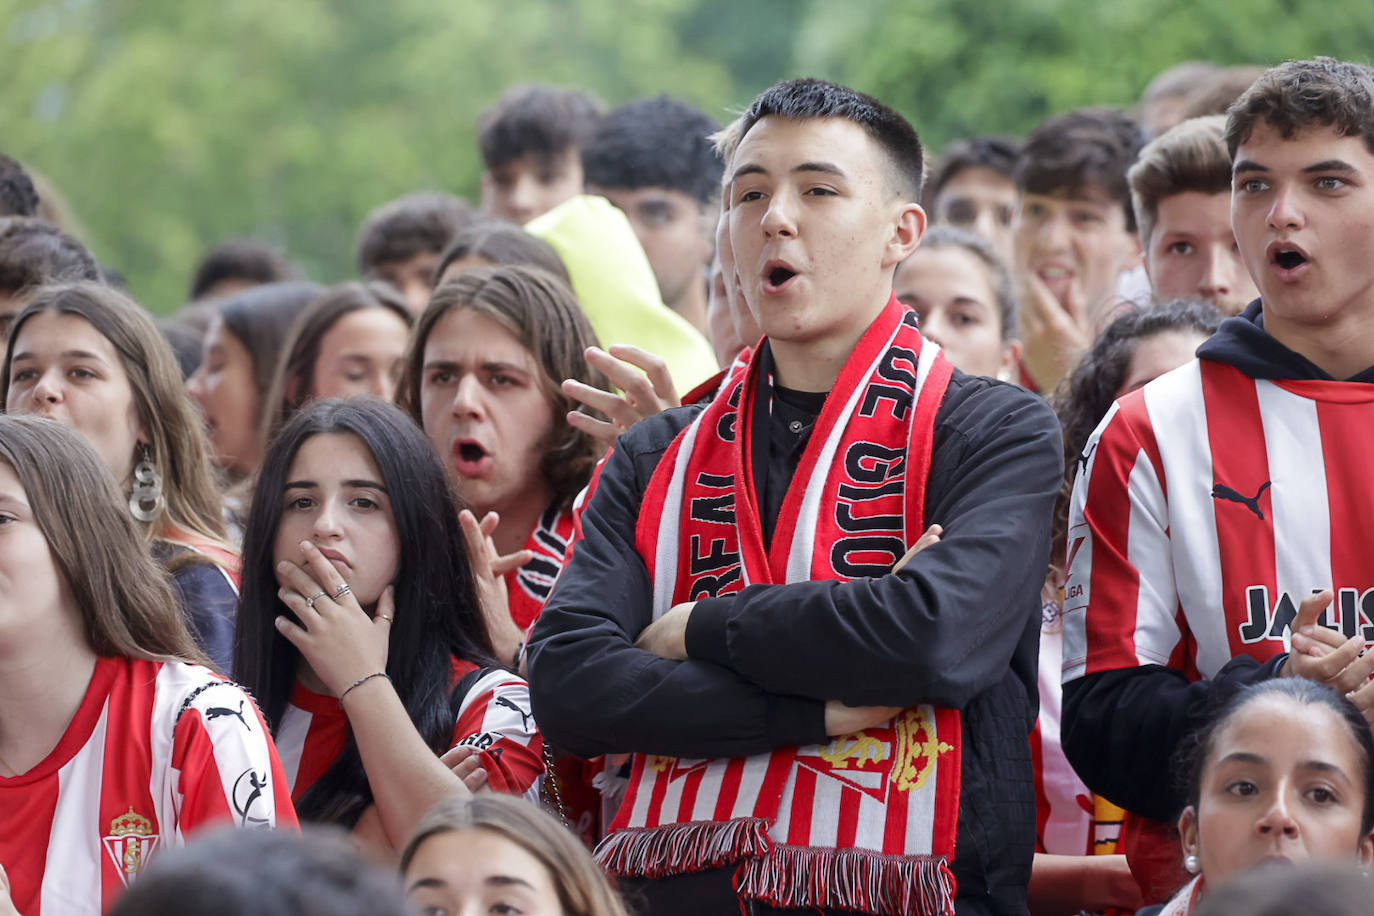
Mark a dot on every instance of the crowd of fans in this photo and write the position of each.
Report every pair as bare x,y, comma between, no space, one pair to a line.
717,519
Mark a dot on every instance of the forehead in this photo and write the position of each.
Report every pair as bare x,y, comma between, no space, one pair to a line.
369,327
1267,147
466,333
50,332
946,272
1193,210
1090,193
1284,730
779,145
334,455
978,181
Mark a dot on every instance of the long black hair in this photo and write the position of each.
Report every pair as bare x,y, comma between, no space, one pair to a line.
437,615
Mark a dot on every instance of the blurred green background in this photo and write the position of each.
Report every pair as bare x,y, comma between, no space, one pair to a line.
170,126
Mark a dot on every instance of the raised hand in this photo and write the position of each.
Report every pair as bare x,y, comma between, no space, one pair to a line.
645,393
335,636
488,572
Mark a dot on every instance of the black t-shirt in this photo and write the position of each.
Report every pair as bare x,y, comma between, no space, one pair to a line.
790,416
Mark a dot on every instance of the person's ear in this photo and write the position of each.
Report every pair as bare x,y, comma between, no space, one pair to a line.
1365,851
1188,832
1011,361
908,228
488,186
1132,254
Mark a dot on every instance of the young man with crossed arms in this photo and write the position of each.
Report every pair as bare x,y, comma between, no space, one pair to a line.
812,728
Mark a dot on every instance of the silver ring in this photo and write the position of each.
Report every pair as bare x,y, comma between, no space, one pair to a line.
310,602
343,590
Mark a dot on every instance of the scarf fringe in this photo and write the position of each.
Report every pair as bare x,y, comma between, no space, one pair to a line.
856,879
656,852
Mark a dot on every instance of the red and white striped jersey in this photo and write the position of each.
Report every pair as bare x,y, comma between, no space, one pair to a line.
528,586
156,750
494,717
1208,505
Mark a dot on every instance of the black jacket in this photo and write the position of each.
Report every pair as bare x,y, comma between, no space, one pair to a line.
958,627
1122,729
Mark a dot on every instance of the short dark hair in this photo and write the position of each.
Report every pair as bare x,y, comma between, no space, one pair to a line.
420,223
804,99
1089,146
540,121
1194,751
18,196
655,143
235,872
1302,93
991,152
499,242
240,259
1218,92
33,253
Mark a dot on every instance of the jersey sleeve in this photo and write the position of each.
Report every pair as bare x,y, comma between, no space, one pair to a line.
495,718
228,766
1120,598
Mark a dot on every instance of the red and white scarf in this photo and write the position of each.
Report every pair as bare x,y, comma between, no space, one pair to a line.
867,821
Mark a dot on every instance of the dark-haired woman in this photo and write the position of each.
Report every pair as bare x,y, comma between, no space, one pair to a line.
359,628
347,342
115,740
91,358
1284,774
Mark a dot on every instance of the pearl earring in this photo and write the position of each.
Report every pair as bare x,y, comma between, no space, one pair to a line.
1191,864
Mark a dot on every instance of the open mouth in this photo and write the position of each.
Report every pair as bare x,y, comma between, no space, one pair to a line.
471,451
776,275
1287,256
470,459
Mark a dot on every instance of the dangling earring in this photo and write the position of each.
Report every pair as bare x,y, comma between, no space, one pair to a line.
146,500
1191,864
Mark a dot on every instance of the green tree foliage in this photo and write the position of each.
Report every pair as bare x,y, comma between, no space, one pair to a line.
171,126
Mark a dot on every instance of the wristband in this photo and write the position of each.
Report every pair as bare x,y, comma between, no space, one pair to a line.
362,680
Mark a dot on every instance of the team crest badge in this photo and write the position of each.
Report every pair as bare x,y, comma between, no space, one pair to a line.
130,842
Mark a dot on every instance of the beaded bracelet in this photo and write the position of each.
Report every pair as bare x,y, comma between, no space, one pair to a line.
362,680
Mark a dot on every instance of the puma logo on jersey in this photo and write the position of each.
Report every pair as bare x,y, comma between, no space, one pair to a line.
218,712
509,704
1084,458
1222,491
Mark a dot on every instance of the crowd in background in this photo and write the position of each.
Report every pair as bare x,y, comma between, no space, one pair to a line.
418,553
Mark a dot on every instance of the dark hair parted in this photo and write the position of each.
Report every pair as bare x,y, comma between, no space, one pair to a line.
1195,752
1190,156
535,120
260,318
658,142
18,196
805,99
235,872
245,260
1086,394
420,223
33,253
126,604
1090,146
437,615
176,437
999,277
1298,94
498,242
991,152
291,387
544,316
